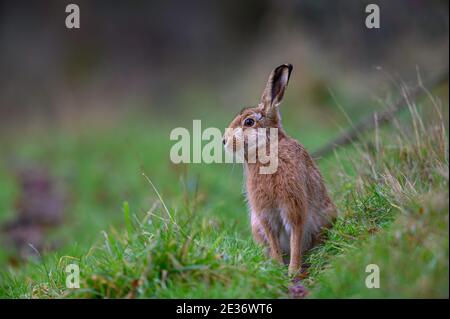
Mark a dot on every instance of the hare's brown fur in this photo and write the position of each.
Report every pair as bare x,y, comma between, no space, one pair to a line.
290,208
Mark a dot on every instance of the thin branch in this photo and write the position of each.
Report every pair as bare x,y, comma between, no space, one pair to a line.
378,119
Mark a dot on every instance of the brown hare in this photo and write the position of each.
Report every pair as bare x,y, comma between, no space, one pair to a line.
289,207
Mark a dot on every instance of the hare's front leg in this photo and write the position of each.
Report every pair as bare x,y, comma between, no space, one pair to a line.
296,217
295,263
257,229
272,239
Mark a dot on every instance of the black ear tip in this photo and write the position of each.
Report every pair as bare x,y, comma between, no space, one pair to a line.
286,65
289,66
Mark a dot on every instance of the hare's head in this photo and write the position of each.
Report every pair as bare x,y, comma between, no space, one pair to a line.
244,131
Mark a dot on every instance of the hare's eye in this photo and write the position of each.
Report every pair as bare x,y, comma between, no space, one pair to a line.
249,122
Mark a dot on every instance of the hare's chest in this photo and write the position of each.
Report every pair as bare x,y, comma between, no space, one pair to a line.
265,193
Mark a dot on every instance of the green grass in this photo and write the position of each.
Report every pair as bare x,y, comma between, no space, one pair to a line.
188,235
395,216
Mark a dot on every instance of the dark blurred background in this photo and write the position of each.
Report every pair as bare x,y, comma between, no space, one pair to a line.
166,57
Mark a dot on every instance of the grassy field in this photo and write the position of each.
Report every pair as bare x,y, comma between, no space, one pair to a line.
141,227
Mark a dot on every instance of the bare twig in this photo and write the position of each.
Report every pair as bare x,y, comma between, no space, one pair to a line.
377,119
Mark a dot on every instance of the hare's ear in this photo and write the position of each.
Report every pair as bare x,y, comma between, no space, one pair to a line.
275,87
